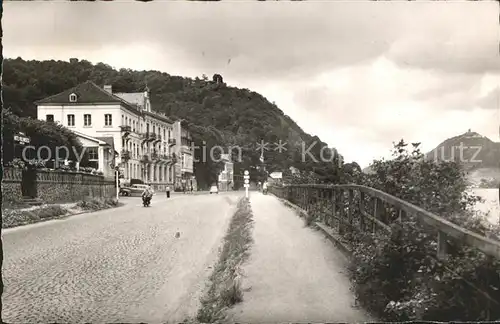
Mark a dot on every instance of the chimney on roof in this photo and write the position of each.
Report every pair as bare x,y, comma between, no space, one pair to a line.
108,88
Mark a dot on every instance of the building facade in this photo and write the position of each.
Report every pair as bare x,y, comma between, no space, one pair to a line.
226,176
100,151
148,144
183,149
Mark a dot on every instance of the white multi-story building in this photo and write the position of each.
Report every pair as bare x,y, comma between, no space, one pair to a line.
226,176
148,144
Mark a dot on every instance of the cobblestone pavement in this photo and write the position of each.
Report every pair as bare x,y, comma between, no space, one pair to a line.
121,265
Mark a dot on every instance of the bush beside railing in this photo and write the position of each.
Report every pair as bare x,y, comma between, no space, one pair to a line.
397,236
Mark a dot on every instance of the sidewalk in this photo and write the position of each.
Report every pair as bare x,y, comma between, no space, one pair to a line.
294,274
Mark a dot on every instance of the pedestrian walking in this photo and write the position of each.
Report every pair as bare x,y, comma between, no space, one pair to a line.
168,191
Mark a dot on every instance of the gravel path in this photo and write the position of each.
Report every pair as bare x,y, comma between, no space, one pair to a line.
294,273
117,265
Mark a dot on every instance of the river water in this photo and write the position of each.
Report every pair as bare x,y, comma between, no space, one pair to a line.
490,204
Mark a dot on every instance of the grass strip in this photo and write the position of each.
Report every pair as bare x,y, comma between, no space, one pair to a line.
225,282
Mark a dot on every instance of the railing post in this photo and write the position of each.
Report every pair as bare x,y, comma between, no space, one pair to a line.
400,215
321,216
380,213
376,208
350,206
442,246
304,198
362,223
334,207
341,211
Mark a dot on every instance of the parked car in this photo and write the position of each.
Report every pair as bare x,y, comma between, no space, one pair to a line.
133,190
136,181
214,189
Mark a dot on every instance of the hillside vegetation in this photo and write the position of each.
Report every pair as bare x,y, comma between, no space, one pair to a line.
217,114
477,151
476,154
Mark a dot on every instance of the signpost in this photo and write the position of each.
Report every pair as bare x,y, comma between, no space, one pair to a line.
247,182
117,176
21,138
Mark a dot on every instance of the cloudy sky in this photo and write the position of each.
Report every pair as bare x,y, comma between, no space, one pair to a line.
360,75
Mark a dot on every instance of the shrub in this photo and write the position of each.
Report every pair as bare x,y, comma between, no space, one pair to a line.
97,204
90,204
396,275
50,211
11,218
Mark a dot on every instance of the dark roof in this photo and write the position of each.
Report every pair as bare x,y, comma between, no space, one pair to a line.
90,93
87,93
161,117
107,139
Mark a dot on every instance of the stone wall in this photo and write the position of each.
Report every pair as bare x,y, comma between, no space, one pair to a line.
57,186
11,185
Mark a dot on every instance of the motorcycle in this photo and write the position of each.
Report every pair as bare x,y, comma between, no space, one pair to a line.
146,201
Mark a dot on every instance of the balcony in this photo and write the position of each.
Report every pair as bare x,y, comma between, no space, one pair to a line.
145,159
125,129
148,137
157,139
125,155
171,141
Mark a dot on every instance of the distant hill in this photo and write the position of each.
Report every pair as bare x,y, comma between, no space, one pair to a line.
480,156
217,113
472,150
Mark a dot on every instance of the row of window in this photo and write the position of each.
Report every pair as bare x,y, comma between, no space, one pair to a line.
87,119
135,171
136,126
108,121
137,151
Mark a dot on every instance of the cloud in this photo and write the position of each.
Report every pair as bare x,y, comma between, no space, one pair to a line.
455,38
491,100
284,39
360,75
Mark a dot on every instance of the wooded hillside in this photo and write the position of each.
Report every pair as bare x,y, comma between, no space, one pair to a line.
218,114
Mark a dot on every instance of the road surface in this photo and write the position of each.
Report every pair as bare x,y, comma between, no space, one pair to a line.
121,265
294,274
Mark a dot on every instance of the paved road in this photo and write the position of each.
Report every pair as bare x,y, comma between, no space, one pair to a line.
121,265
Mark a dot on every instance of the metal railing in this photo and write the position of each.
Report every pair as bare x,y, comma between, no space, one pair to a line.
126,128
367,208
